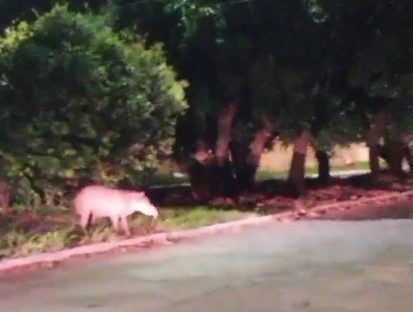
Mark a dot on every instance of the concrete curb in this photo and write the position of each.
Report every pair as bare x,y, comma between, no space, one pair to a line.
162,238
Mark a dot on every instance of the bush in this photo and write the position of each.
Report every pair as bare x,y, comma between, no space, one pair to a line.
79,99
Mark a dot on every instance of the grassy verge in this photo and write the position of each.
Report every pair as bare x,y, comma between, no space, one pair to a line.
200,216
25,234
263,175
168,178
51,229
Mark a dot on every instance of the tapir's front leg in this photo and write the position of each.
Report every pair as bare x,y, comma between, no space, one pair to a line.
125,226
115,223
84,219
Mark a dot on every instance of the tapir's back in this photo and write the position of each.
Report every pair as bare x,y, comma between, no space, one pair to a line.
101,201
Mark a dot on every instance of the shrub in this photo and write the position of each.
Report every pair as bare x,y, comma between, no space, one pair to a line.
78,98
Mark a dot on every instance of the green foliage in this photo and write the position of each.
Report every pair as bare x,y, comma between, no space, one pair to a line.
78,98
191,12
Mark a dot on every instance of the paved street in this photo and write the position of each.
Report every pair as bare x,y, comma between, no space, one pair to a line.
307,266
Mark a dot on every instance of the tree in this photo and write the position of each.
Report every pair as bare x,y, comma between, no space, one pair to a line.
78,98
18,10
371,40
292,68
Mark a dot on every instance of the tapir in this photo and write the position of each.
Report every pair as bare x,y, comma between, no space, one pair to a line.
96,201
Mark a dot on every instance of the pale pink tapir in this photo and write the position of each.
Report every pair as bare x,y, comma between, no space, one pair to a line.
97,201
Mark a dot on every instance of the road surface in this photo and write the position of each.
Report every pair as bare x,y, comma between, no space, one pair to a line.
313,266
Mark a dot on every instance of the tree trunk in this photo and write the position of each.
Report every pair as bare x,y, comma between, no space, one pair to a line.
323,166
210,171
260,139
225,121
409,158
223,176
5,197
200,178
383,152
244,168
373,140
374,163
200,172
246,160
395,156
408,149
393,153
297,168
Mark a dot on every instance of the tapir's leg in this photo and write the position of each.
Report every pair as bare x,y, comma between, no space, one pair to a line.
115,222
125,226
93,219
84,219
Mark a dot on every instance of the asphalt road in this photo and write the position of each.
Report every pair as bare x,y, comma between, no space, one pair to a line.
306,266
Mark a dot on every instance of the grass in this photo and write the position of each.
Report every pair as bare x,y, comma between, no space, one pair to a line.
24,234
200,216
362,165
263,175
19,242
168,178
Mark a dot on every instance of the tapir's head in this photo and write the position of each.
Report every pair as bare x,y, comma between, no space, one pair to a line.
140,203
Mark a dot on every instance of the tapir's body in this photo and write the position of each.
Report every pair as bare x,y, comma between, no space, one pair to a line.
100,201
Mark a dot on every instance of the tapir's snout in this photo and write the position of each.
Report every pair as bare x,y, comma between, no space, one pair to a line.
145,207
155,213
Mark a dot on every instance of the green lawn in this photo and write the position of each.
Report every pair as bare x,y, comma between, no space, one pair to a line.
166,178
263,175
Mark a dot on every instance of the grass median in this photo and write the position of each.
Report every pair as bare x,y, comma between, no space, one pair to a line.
27,233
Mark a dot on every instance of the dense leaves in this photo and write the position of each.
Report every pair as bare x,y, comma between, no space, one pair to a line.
79,98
